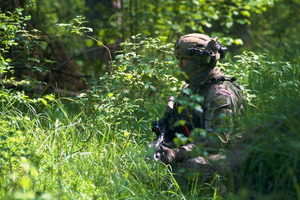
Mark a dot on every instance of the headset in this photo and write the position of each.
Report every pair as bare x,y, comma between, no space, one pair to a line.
208,56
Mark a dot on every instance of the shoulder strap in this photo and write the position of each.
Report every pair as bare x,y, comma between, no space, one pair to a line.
207,84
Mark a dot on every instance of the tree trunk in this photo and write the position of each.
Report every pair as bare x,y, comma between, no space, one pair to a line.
11,5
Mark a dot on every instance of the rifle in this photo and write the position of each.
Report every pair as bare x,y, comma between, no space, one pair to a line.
164,136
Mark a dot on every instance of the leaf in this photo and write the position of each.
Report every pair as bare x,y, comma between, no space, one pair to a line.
238,41
50,97
110,95
229,24
187,91
44,102
25,182
246,13
198,108
61,24
119,56
180,109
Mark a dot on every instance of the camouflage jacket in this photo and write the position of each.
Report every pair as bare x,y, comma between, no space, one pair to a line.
221,104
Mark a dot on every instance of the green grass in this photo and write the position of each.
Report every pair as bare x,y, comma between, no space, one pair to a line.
266,161
56,155
94,147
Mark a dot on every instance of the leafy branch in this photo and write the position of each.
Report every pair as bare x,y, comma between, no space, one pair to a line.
75,26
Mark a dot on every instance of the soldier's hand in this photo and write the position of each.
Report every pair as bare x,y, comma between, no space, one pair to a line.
168,156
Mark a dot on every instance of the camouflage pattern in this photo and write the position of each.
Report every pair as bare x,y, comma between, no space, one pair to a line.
204,50
222,103
198,55
201,41
187,41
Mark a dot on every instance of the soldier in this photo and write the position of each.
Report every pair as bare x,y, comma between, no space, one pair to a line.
198,55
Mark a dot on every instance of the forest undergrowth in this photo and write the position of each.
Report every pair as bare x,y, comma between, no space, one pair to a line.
93,146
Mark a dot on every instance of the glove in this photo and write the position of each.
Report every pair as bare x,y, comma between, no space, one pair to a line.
168,156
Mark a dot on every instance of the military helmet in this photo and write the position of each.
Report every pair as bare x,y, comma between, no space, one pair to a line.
206,50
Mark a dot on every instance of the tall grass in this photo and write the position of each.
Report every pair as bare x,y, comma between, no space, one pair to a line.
57,155
94,146
266,163
91,147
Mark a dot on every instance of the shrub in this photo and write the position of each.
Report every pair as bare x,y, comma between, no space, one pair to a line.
266,162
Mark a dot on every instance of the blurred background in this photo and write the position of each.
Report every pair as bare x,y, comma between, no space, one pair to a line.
65,61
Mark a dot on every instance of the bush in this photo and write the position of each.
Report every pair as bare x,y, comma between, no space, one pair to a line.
266,162
136,86
93,146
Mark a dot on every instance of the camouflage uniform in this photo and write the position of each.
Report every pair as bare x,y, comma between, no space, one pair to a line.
222,102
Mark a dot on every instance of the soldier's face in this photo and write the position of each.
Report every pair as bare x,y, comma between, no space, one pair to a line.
191,68
184,62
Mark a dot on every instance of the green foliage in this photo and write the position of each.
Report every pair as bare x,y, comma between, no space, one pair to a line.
136,82
75,27
255,72
10,25
93,146
266,161
115,21
276,30
171,18
17,45
57,17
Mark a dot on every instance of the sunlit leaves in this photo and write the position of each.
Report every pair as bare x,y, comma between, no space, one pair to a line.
257,73
137,79
75,26
171,18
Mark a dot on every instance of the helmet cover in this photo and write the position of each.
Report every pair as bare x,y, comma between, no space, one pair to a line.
207,51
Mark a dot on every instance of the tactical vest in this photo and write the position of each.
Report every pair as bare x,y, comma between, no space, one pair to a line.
195,119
